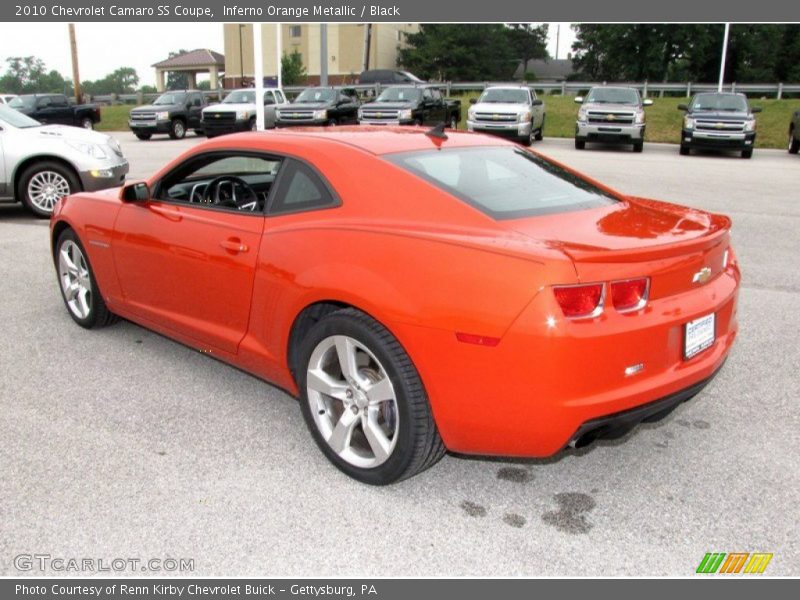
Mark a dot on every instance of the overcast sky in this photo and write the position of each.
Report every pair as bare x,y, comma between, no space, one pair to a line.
103,47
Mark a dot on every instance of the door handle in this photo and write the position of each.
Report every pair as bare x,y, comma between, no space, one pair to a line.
234,245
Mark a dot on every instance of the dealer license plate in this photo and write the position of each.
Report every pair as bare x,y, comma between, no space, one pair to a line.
698,335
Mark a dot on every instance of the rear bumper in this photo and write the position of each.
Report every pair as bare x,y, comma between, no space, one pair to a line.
720,141
623,134
549,376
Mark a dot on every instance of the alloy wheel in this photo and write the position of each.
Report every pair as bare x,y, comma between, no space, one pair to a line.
76,283
353,401
46,188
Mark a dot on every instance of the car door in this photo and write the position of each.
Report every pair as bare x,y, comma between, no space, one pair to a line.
61,111
537,108
440,107
195,108
188,265
269,109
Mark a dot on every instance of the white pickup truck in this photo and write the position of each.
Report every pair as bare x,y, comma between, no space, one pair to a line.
512,110
237,112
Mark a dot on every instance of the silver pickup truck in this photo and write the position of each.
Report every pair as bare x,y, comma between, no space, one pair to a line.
612,115
40,164
513,111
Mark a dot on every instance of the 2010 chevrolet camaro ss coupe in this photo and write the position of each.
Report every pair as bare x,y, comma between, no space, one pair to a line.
418,292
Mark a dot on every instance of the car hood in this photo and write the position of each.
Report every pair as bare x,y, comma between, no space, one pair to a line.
720,115
230,107
610,107
73,134
154,107
500,107
389,105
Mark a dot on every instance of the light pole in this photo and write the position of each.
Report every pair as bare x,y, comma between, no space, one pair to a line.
724,56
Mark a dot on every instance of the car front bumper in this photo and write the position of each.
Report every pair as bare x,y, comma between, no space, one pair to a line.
595,132
104,175
210,127
149,127
304,123
510,128
385,122
691,138
550,378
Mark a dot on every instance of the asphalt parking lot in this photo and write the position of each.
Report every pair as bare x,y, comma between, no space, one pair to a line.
122,443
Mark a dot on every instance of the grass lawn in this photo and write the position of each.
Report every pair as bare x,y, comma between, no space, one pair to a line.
663,118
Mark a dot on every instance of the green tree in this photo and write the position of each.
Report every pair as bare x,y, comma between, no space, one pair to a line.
122,81
293,71
177,80
528,42
460,52
29,75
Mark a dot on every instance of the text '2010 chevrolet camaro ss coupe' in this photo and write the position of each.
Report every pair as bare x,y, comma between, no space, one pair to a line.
418,292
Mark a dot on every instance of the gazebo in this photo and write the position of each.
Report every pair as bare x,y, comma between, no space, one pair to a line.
193,62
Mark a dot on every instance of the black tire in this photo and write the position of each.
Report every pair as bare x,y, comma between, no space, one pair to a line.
794,143
42,167
685,151
210,135
419,445
453,122
332,123
87,123
580,144
99,315
540,132
143,136
253,126
177,129
638,146
199,133
748,153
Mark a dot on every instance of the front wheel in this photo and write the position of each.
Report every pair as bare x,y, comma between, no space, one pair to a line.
177,129
684,150
540,132
453,122
143,136
794,143
78,286
43,184
580,144
87,123
638,146
363,400
747,153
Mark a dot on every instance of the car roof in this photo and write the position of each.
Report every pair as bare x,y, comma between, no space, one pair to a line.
381,140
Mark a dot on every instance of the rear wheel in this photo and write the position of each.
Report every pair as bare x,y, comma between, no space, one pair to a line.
78,286
747,153
143,136
580,144
363,400
794,143
177,129
43,184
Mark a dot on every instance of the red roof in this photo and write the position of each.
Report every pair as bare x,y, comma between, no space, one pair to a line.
201,57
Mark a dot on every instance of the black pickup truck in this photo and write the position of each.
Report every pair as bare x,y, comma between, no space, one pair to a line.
411,105
172,113
55,109
320,106
794,133
719,121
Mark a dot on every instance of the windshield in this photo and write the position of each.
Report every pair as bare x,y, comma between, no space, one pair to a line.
310,95
398,94
726,102
613,96
505,95
504,183
9,116
240,97
169,99
22,102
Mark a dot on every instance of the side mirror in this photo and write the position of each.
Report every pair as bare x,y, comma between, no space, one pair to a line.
578,99
683,107
756,109
135,192
538,102
473,100
647,102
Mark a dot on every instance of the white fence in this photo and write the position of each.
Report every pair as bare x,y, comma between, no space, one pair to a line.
650,89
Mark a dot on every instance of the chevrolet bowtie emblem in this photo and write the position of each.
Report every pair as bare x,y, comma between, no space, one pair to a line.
719,125
702,275
610,117
378,115
217,116
495,117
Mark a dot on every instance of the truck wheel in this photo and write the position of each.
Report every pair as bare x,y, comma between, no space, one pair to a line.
638,146
580,144
177,130
332,123
143,136
684,150
794,143
253,125
43,184
747,153
87,123
199,133
453,122
540,132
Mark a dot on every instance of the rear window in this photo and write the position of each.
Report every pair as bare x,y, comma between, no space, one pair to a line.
505,182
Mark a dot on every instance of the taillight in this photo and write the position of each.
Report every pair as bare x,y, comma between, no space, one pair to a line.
580,300
630,294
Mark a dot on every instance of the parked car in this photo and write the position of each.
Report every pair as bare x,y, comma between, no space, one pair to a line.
387,77
487,301
172,113
719,121
612,115
794,133
6,98
237,112
320,106
56,109
411,105
40,164
510,111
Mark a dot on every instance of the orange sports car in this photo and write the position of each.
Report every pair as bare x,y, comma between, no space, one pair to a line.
418,291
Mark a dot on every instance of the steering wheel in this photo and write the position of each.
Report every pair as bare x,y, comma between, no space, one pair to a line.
236,194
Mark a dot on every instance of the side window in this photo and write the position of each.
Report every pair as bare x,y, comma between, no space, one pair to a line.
268,98
43,102
279,96
426,94
58,101
300,189
197,100
436,94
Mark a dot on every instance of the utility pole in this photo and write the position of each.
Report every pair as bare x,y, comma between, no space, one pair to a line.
724,57
323,54
367,44
241,57
76,77
558,38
